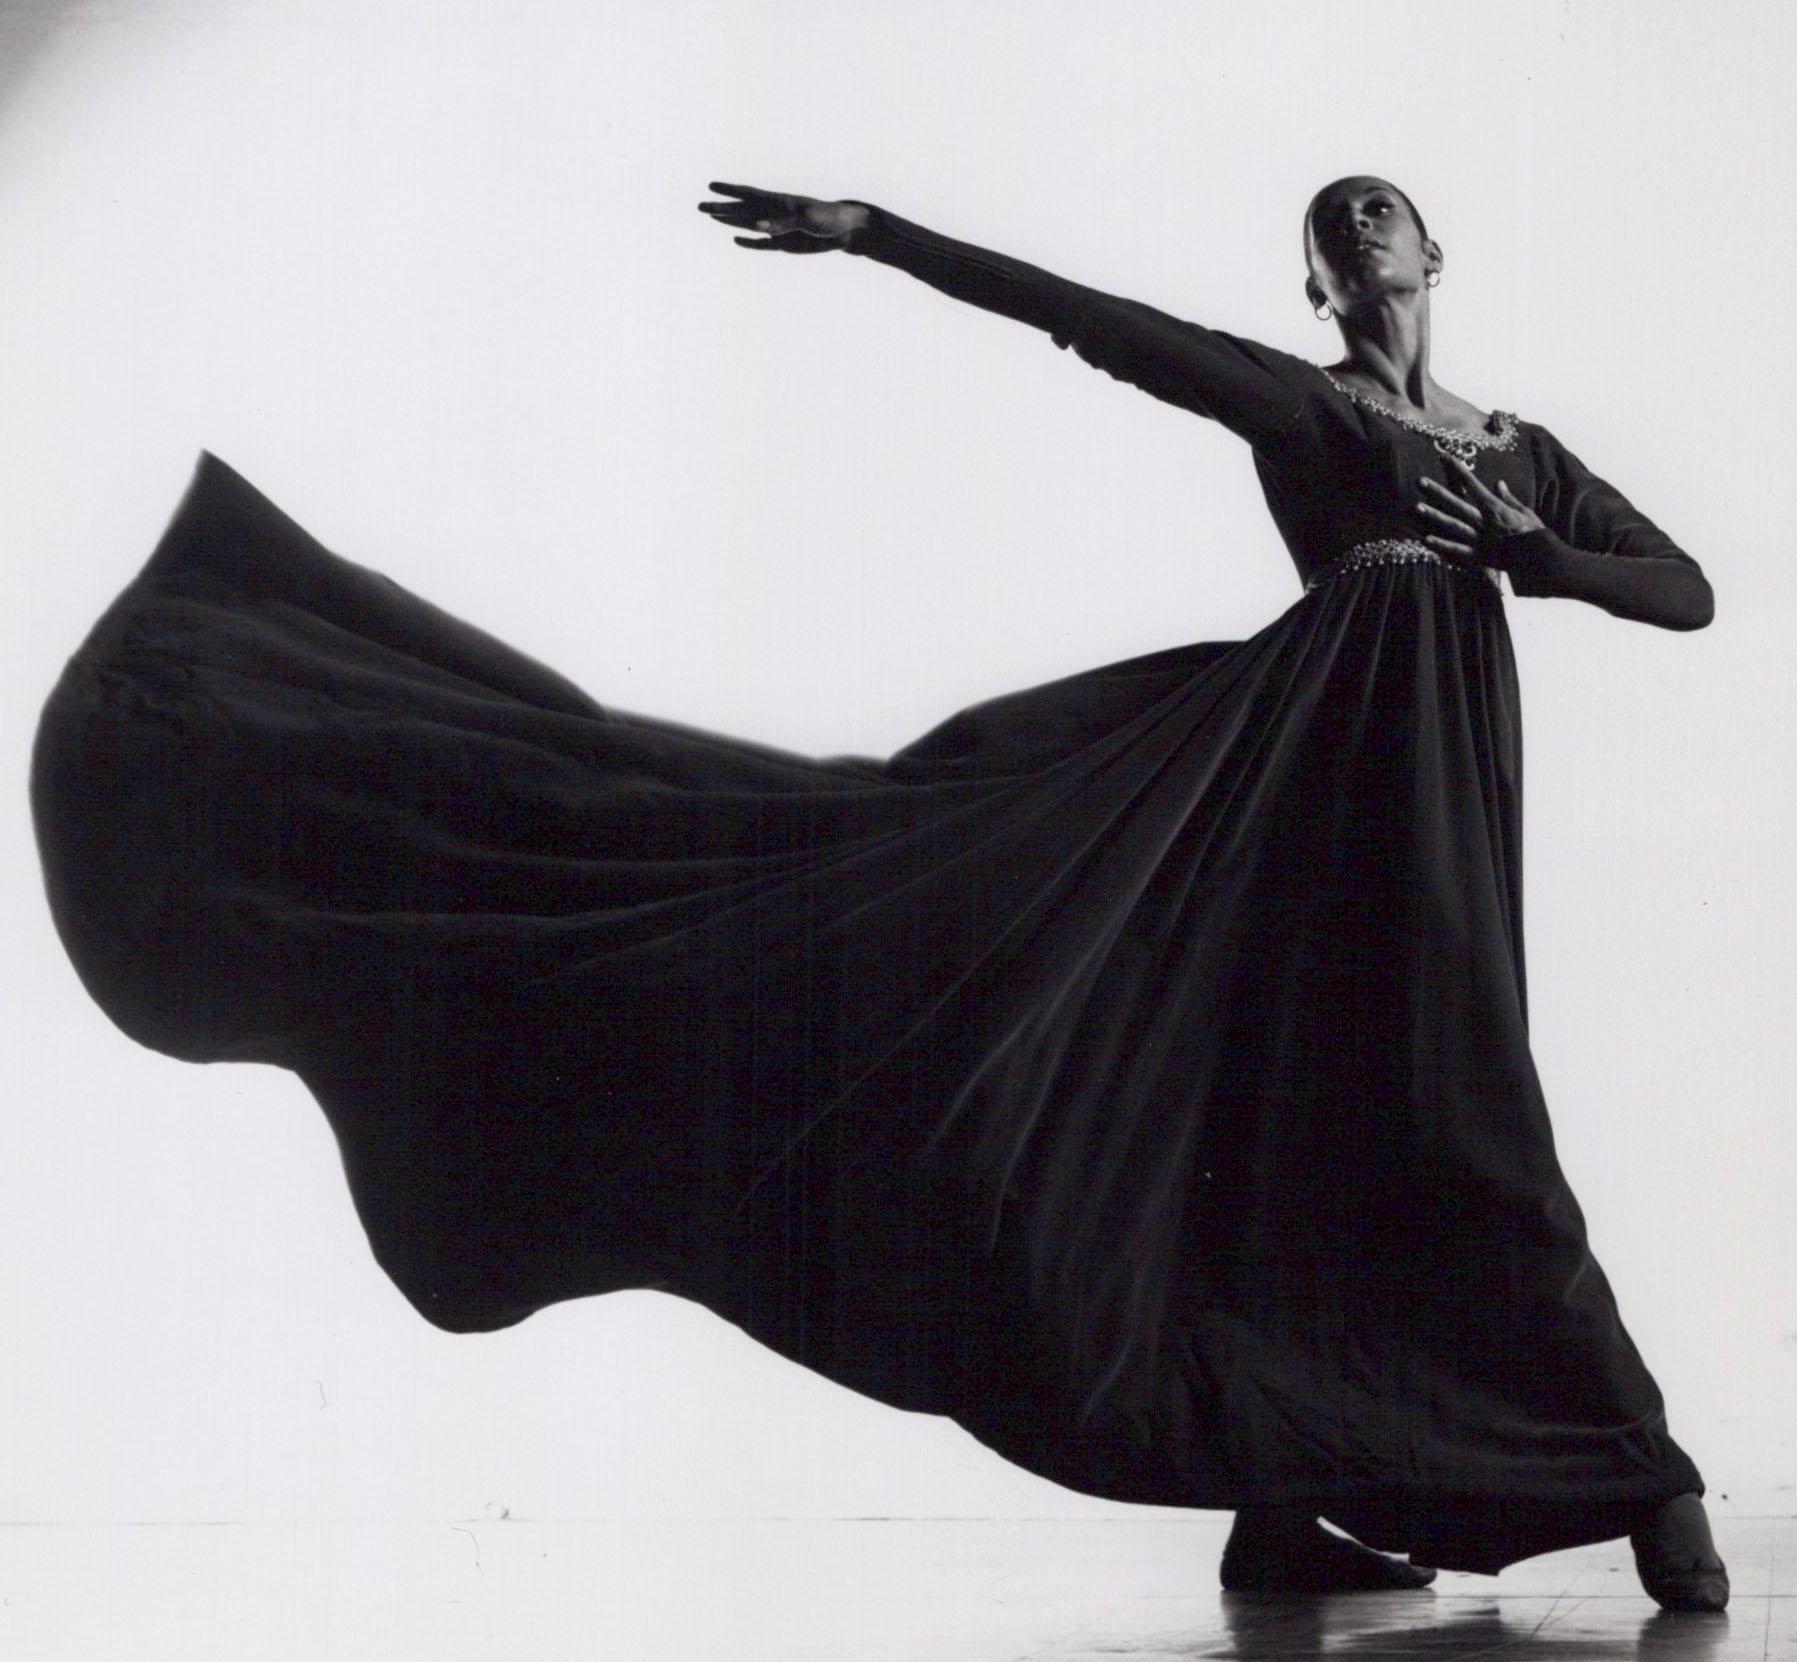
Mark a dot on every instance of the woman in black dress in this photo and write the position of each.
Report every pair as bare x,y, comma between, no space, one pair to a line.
1135,1068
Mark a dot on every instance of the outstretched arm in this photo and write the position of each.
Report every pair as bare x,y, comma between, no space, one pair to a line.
1254,390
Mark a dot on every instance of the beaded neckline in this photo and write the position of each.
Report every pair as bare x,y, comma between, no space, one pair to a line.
1450,441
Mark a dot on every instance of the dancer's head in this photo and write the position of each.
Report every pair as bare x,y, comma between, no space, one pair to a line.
1362,238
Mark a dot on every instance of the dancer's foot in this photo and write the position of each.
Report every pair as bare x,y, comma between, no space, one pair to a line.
1273,1550
1677,1560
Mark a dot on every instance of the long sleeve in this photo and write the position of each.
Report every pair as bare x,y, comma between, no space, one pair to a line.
1600,548
1253,390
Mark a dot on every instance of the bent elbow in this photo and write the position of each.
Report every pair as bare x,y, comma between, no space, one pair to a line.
1680,597
1698,608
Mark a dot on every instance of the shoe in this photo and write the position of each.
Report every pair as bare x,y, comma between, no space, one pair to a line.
1678,1562
1264,1555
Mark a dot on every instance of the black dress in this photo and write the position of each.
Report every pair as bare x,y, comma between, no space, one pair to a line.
1134,1068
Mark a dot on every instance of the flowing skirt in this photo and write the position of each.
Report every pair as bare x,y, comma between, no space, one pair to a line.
1134,1068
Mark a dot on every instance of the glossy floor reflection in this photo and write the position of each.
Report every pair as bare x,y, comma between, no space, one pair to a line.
1581,1606
1141,1589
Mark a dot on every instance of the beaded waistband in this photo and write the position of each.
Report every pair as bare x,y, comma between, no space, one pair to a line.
1385,551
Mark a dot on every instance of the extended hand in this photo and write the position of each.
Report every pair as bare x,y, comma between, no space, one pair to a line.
1480,526
793,224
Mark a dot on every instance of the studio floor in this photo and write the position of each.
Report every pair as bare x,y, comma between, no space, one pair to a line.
539,1590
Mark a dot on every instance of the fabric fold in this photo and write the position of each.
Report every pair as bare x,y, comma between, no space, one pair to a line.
1134,1068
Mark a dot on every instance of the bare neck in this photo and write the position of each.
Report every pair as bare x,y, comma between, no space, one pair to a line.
1387,347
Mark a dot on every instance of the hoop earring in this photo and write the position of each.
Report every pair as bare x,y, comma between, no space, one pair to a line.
1433,280
1324,312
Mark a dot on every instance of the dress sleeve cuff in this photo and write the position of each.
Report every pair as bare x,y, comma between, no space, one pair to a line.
1537,557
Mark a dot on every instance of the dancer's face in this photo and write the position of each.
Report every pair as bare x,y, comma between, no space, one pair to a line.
1363,241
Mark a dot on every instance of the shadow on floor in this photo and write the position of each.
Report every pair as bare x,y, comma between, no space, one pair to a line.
1420,1625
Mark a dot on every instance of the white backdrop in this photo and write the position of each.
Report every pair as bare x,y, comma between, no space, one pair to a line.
431,275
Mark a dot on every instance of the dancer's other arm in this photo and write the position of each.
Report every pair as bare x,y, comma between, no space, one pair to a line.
1582,540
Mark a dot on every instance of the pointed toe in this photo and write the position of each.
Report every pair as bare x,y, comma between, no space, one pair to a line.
1699,1592
1677,1560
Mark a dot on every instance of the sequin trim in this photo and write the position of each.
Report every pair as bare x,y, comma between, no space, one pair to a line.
1387,551
1449,441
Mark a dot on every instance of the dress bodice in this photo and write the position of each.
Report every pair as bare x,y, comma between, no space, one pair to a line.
1340,471
1343,479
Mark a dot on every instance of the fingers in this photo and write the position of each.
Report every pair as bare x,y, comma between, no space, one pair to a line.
1456,515
788,242
1452,498
734,213
746,219
767,204
1478,520
1471,478
1449,520
1464,513
762,211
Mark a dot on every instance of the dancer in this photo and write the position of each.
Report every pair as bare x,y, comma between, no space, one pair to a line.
1134,1068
